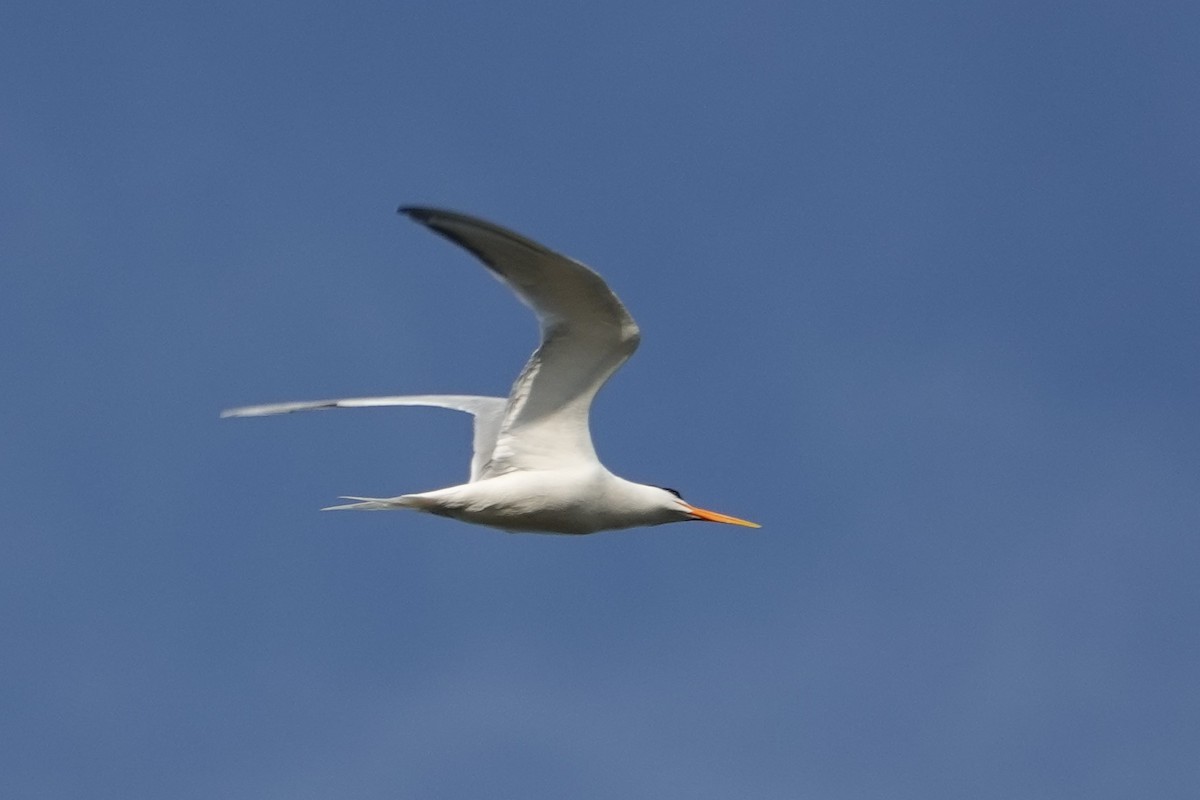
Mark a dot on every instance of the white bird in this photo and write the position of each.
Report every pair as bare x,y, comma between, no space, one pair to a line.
534,468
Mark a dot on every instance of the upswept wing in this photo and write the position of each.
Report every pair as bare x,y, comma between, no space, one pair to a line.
488,413
586,335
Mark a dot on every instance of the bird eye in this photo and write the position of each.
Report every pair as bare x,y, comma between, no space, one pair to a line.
672,491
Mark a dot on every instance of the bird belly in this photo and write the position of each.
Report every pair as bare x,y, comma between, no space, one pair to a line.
528,503
523,517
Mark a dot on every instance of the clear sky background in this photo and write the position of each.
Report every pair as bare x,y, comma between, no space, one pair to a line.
918,284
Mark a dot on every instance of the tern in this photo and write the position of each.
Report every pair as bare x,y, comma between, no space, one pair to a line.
534,468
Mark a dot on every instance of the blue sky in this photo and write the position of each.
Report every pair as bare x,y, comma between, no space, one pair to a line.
918,287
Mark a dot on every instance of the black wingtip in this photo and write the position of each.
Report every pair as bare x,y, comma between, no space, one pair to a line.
424,214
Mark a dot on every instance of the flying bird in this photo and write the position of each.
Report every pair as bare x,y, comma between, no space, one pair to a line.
534,468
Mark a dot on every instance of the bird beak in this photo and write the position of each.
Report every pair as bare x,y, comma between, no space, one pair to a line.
712,516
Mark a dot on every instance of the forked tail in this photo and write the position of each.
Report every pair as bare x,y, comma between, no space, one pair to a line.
374,504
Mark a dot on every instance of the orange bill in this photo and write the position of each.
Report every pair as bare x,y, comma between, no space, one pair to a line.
712,516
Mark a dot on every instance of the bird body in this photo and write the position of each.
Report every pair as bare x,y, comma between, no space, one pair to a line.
577,500
534,467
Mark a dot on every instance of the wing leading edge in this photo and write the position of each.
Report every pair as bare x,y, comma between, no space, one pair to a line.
488,413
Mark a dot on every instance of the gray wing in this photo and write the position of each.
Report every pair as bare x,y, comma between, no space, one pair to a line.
488,413
586,334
